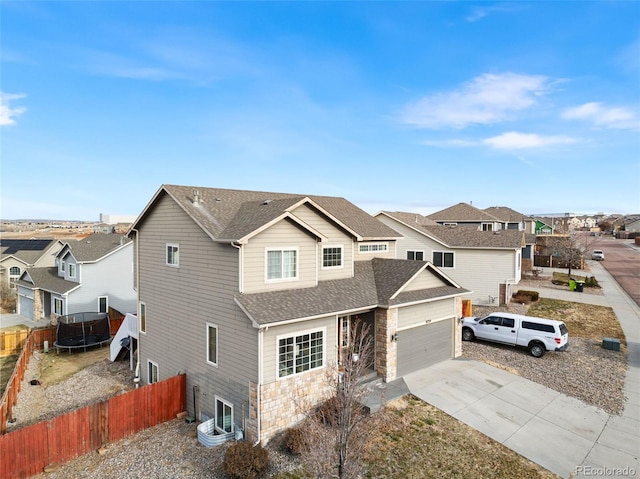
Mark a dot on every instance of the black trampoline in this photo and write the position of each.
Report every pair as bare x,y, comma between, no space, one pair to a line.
82,330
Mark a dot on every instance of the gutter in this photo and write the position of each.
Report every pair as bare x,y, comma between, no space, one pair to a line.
259,385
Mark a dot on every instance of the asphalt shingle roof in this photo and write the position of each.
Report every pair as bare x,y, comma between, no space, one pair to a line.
230,215
504,213
96,246
368,288
26,250
462,212
48,279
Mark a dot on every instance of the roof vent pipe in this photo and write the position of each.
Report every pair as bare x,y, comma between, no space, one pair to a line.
196,197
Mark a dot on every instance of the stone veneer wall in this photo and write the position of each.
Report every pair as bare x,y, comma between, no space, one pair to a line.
283,403
457,333
38,307
386,349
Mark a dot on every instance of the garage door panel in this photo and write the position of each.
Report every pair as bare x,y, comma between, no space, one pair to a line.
424,346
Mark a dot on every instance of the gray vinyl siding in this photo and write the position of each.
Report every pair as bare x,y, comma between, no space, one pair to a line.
181,300
483,271
425,280
270,344
334,236
111,277
417,314
479,270
281,235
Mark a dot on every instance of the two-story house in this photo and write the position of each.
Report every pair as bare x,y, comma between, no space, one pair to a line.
253,294
89,275
16,255
489,263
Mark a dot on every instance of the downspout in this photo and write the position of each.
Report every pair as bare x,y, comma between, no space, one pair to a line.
260,341
136,378
259,385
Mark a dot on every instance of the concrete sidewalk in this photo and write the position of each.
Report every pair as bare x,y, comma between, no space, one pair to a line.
562,434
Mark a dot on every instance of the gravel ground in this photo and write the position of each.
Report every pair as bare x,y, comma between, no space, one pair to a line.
171,450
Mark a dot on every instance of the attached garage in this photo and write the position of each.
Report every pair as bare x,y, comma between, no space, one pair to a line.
26,306
424,345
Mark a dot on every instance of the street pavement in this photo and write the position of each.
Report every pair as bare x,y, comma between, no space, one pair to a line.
558,432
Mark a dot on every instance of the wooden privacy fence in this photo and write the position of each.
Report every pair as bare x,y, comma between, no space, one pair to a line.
35,342
27,451
11,342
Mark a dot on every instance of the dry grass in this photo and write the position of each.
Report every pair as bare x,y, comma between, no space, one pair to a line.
582,320
418,440
7,365
55,368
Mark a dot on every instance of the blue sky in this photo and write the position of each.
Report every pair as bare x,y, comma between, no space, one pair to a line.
411,106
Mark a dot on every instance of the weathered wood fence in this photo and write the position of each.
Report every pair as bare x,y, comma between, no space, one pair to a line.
27,451
35,342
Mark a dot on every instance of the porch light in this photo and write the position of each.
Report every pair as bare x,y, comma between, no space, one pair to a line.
394,337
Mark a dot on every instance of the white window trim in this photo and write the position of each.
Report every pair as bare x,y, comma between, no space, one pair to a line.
106,301
215,326
55,300
72,270
166,254
294,335
368,251
417,251
266,265
151,364
443,253
142,306
215,414
338,246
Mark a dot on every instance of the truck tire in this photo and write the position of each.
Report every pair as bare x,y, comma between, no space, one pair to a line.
537,349
467,334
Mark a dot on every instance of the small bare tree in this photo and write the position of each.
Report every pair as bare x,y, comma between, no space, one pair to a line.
338,429
571,248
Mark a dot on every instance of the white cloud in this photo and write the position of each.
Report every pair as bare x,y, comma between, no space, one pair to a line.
479,13
519,141
602,116
8,113
487,99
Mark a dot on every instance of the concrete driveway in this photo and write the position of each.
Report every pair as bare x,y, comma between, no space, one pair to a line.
556,431
560,433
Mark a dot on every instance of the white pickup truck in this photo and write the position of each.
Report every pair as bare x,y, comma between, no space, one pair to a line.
539,335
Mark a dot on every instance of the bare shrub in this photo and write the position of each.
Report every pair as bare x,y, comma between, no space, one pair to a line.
245,461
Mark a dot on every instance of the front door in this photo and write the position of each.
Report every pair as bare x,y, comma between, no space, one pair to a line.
347,330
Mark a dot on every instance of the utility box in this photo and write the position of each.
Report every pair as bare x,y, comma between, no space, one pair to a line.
611,344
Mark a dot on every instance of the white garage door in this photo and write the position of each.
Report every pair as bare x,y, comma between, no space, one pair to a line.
424,346
26,307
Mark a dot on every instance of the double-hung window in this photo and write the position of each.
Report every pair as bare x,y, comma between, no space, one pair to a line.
443,259
172,254
72,270
332,257
212,344
297,354
282,264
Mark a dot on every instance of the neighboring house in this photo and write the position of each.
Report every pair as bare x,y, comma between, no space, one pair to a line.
90,275
253,296
16,255
543,226
489,263
512,220
633,226
464,214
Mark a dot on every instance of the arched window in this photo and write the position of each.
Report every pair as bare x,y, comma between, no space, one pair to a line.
14,271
